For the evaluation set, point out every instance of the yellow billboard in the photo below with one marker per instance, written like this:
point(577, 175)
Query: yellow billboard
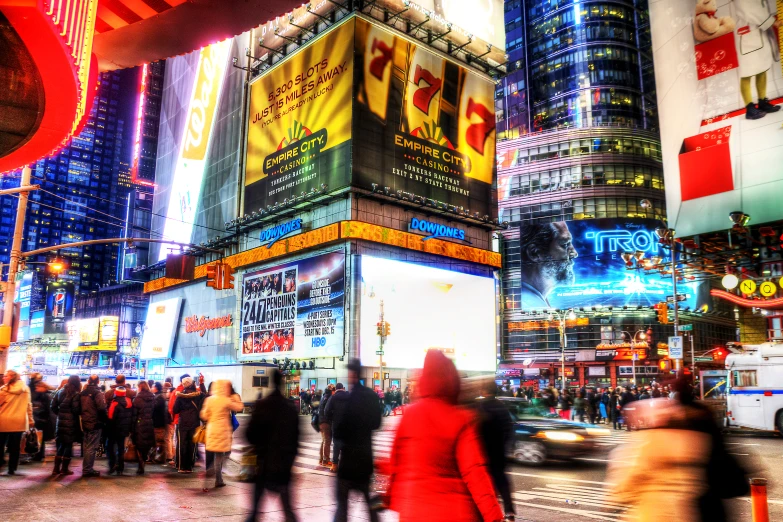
point(299, 124)
point(94, 334)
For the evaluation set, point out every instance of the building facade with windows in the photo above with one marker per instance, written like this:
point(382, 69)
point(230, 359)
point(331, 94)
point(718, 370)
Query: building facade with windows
point(579, 148)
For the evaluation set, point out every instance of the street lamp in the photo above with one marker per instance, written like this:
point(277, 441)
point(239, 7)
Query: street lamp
point(642, 336)
point(561, 326)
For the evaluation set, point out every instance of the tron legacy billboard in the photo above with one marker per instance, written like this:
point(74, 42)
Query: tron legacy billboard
point(577, 264)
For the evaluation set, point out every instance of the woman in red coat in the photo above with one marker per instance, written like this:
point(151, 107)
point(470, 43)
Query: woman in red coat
point(438, 468)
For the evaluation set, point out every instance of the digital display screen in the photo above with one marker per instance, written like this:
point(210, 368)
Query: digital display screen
point(427, 308)
point(160, 328)
point(577, 264)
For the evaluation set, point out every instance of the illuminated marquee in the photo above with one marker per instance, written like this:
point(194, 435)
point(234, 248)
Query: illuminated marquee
point(434, 230)
point(277, 232)
point(624, 241)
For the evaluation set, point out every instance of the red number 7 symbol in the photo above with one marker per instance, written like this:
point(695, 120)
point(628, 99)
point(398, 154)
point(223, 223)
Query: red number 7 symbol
point(477, 133)
point(423, 95)
point(378, 64)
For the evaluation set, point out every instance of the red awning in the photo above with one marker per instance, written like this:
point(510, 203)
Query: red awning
point(134, 32)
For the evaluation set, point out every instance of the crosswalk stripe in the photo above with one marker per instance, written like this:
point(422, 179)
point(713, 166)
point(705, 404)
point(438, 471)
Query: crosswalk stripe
point(598, 515)
point(581, 496)
point(530, 495)
point(571, 487)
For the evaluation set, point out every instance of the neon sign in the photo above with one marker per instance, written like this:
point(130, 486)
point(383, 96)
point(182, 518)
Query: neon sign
point(434, 230)
point(279, 231)
point(139, 120)
point(623, 241)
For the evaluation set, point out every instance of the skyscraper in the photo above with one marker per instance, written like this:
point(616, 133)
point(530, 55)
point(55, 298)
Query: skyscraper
point(579, 165)
point(84, 190)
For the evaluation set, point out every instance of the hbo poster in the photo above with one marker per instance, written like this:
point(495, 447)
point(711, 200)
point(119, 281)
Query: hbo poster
point(294, 310)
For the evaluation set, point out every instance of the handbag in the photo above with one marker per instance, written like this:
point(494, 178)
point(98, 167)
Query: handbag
point(234, 421)
point(200, 435)
point(31, 446)
point(130, 452)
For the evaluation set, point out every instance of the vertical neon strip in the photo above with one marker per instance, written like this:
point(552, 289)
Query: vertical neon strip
point(139, 121)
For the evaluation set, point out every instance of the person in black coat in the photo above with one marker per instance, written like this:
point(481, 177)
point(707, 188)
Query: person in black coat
point(161, 420)
point(188, 406)
point(66, 404)
point(41, 397)
point(93, 418)
point(143, 428)
point(496, 430)
point(614, 408)
point(119, 426)
point(337, 405)
point(353, 427)
point(274, 431)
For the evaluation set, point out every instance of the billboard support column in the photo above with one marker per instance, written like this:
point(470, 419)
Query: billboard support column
point(16, 248)
point(674, 292)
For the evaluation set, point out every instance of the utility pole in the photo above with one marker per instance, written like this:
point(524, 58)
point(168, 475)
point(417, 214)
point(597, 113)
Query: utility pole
point(10, 287)
point(383, 334)
point(677, 362)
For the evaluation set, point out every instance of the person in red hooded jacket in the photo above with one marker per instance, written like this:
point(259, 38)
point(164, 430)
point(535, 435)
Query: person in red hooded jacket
point(438, 469)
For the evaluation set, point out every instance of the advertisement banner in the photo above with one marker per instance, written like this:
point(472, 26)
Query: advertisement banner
point(160, 328)
point(720, 117)
point(422, 124)
point(186, 184)
point(94, 334)
point(294, 310)
point(59, 307)
point(37, 320)
point(22, 296)
point(577, 264)
point(299, 125)
point(426, 308)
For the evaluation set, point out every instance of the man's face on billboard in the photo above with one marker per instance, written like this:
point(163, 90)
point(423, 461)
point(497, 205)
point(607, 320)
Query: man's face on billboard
point(558, 264)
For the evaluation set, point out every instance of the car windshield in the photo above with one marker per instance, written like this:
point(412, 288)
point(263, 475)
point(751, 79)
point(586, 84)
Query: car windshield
point(526, 410)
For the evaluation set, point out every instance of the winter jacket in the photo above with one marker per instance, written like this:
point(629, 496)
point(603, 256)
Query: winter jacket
point(187, 406)
point(274, 431)
point(160, 412)
point(109, 394)
point(626, 398)
point(16, 408)
point(67, 408)
point(323, 418)
point(580, 404)
point(217, 414)
point(352, 428)
point(143, 429)
point(120, 414)
point(41, 397)
point(336, 406)
point(564, 402)
point(496, 428)
point(93, 408)
point(438, 467)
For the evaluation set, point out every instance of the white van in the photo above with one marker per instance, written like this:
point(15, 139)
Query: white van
point(755, 387)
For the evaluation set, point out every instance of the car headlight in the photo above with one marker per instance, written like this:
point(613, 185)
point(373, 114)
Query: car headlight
point(561, 436)
point(598, 432)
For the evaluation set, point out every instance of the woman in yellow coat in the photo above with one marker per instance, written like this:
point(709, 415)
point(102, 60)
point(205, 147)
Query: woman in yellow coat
point(216, 413)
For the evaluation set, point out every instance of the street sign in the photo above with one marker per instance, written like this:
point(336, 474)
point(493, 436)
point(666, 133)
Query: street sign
point(635, 356)
point(675, 347)
point(379, 352)
point(685, 327)
point(704, 359)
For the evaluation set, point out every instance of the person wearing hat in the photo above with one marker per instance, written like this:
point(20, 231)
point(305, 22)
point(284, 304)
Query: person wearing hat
point(187, 406)
point(121, 421)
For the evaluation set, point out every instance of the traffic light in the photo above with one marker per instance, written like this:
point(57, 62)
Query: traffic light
point(718, 354)
point(375, 375)
point(379, 329)
point(387, 330)
point(663, 313)
point(215, 276)
point(228, 277)
point(665, 365)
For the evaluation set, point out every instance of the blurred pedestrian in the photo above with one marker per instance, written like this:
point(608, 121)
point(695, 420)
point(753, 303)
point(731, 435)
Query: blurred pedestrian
point(580, 406)
point(439, 470)
point(41, 396)
point(496, 430)
point(118, 427)
point(143, 428)
point(216, 413)
point(93, 407)
point(352, 431)
point(325, 428)
point(338, 403)
point(603, 406)
point(161, 420)
point(168, 392)
point(66, 404)
point(187, 407)
point(16, 417)
point(593, 398)
point(564, 402)
point(614, 408)
point(274, 431)
point(626, 398)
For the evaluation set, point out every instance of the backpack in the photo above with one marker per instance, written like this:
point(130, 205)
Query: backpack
point(314, 421)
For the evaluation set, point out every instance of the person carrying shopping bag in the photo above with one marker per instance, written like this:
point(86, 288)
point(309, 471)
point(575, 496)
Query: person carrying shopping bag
point(216, 413)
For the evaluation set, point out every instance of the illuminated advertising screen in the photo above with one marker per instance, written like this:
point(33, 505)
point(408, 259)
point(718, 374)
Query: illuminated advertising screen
point(299, 124)
point(184, 192)
point(577, 264)
point(294, 310)
point(160, 328)
point(59, 307)
point(22, 296)
point(422, 123)
point(720, 94)
point(94, 334)
point(427, 309)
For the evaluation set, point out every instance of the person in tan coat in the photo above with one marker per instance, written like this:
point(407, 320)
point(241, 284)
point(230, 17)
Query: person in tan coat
point(216, 413)
point(16, 417)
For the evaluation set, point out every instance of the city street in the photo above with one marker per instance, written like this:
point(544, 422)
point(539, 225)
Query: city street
point(559, 491)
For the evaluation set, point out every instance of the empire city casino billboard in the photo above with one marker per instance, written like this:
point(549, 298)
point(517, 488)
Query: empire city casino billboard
point(299, 122)
point(578, 264)
point(422, 123)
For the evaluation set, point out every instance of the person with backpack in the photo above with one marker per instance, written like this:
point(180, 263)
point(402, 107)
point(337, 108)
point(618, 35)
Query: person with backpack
point(120, 423)
point(325, 427)
point(67, 405)
point(187, 406)
point(161, 420)
point(93, 403)
point(16, 417)
point(41, 395)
